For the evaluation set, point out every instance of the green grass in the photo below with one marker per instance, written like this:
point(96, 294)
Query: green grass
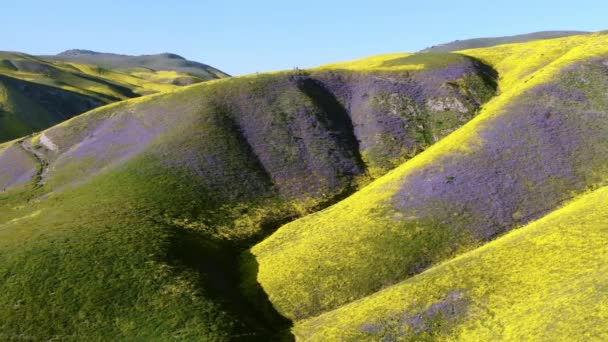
point(19, 115)
point(543, 282)
point(91, 80)
point(23, 112)
point(135, 253)
point(160, 64)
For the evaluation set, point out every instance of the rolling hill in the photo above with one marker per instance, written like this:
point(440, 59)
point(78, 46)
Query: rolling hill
point(475, 43)
point(145, 63)
point(37, 93)
point(196, 176)
point(544, 281)
point(534, 146)
point(429, 196)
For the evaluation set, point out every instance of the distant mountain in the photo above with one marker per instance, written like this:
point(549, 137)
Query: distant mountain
point(158, 62)
point(492, 41)
point(36, 93)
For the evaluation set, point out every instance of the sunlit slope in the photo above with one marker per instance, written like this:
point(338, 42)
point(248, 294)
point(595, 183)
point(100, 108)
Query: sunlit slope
point(158, 63)
point(538, 143)
point(493, 41)
point(545, 281)
point(84, 79)
point(517, 63)
point(27, 106)
point(126, 222)
point(36, 94)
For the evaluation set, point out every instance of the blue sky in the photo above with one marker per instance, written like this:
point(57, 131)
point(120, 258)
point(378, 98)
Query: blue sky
point(242, 37)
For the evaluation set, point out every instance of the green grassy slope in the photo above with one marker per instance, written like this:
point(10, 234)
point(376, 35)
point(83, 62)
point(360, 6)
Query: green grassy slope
point(36, 93)
point(537, 144)
point(158, 62)
point(127, 222)
point(27, 107)
point(542, 282)
point(127, 255)
point(143, 251)
point(81, 78)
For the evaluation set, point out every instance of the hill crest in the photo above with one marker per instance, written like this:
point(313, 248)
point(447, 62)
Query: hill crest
point(81, 52)
point(482, 42)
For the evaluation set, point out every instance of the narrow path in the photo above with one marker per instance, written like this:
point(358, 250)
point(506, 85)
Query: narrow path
point(39, 155)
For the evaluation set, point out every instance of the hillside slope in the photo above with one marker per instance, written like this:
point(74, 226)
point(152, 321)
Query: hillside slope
point(127, 222)
point(26, 106)
point(38, 93)
point(543, 282)
point(536, 145)
point(370, 199)
point(158, 62)
point(493, 41)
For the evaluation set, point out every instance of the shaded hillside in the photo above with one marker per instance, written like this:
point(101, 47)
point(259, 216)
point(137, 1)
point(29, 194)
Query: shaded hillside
point(538, 144)
point(27, 106)
point(133, 216)
point(158, 62)
point(493, 41)
point(37, 93)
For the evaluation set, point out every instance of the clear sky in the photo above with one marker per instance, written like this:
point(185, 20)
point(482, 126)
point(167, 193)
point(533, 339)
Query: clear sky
point(242, 37)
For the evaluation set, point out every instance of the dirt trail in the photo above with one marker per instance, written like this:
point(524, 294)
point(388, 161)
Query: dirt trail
point(39, 154)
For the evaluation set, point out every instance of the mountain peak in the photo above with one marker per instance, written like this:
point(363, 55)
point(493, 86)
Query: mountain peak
point(83, 52)
point(171, 55)
point(78, 52)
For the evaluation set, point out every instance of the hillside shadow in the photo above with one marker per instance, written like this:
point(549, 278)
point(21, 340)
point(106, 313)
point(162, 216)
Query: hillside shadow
point(221, 269)
point(249, 269)
point(61, 103)
point(115, 86)
point(488, 73)
point(445, 60)
point(337, 118)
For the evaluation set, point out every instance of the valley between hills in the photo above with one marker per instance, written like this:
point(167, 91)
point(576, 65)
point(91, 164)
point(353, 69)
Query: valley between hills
point(444, 195)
